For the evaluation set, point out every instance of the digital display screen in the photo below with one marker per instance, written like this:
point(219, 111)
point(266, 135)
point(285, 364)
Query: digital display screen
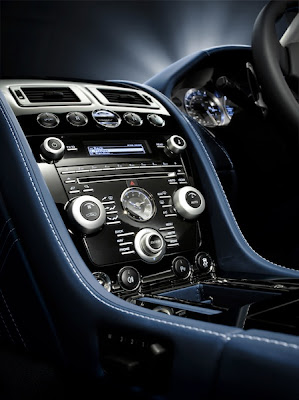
point(119, 150)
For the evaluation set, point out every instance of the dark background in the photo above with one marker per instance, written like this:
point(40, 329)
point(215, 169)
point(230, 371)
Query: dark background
point(130, 40)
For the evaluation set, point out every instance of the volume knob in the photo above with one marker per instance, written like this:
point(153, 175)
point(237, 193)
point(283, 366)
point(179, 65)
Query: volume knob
point(86, 213)
point(150, 245)
point(175, 145)
point(189, 202)
point(52, 149)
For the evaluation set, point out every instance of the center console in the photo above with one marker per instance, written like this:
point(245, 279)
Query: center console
point(121, 173)
point(122, 179)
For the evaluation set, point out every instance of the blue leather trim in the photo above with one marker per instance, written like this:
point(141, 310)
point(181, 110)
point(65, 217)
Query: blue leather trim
point(76, 301)
point(165, 81)
point(235, 257)
point(82, 309)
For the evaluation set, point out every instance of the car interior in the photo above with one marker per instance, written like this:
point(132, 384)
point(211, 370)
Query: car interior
point(149, 241)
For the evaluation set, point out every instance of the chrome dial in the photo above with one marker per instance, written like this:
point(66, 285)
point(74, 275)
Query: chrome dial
point(209, 109)
point(138, 204)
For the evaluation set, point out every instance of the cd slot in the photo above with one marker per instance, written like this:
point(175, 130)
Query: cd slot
point(116, 177)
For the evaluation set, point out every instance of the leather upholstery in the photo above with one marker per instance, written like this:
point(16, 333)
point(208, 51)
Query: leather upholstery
point(81, 311)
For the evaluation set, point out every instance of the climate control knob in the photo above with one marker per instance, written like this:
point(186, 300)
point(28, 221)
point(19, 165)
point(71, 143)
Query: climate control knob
point(150, 245)
point(52, 149)
point(86, 213)
point(189, 202)
point(175, 145)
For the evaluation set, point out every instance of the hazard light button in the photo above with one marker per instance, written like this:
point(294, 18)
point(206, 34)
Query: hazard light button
point(132, 182)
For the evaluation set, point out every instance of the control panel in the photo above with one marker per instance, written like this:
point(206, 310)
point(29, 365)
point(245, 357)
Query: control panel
point(127, 197)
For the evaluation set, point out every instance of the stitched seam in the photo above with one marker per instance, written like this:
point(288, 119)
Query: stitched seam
point(227, 202)
point(227, 337)
point(7, 254)
point(4, 226)
point(4, 243)
point(210, 332)
point(265, 340)
point(13, 320)
point(218, 144)
point(6, 328)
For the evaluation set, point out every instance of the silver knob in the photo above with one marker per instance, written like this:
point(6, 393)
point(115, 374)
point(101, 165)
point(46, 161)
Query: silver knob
point(189, 202)
point(86, 213)
point(52, 149)
point(150, 245)
point(176, 144)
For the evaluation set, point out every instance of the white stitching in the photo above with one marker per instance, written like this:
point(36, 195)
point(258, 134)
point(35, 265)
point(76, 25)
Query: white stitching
point(269, 341)
point(210, 332)
point(7, 254)
point(4, 226)
point(74, 269)
point(224, 194)
point(218, 144)
point(6, 327)
point(14, 322)
point(4, 243)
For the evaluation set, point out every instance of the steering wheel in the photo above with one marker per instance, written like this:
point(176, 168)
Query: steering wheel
point(276, 62)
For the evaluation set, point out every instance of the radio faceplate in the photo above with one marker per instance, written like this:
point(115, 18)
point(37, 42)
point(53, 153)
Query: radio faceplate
point(116, 185)
point(144, 235)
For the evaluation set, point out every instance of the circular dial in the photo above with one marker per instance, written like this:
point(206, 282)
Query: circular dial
point(206, 108)
point(138, 204)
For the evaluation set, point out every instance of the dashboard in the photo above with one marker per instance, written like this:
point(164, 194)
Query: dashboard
point(117, 166)
point(217, 89)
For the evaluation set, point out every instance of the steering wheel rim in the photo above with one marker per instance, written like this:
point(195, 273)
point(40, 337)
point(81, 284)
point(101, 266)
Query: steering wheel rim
point(271, 63)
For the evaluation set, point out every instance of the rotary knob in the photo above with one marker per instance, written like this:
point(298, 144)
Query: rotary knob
point(175, 145)
point(52, 149)
point(150, 245)
point(86, 213)
point(189, 202)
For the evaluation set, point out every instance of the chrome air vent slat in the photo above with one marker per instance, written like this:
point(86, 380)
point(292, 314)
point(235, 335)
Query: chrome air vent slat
point(118, 97)
point(124, 97)
point(55, 94)
point(48, 95)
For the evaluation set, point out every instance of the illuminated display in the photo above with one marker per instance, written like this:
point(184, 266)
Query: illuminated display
point(106, 151)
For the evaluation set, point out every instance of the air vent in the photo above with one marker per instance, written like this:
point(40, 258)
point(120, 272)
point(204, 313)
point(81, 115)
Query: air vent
point(50, 95)
point(124, 97)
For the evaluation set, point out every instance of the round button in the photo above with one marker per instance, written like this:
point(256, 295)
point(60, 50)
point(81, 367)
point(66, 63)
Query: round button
point(54, 144)
point(103, 279)
point(133, 119)
point(155, 242)
point(193, 199)
point(149, 245)
point(179, 141)
point(204, 262)
point(86, 213)
point(48, 120)
point(156, 120)
point(129, 278)
point(181, 267)
point(77, 118)
point(52, 149)
point(106, 119)
point(90, 211)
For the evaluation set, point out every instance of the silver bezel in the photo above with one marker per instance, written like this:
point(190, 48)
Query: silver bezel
point(77, 112)
point(173, 146)
point(49, 149)
point(153, 123)
point(149, 195)
point(75, 215)
point(138, 246)
point(128, 122)
point(48, 127)
point(181, 205)
point(106, 279)
point(120, 283)
point(117, 123)
point(172, 265)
